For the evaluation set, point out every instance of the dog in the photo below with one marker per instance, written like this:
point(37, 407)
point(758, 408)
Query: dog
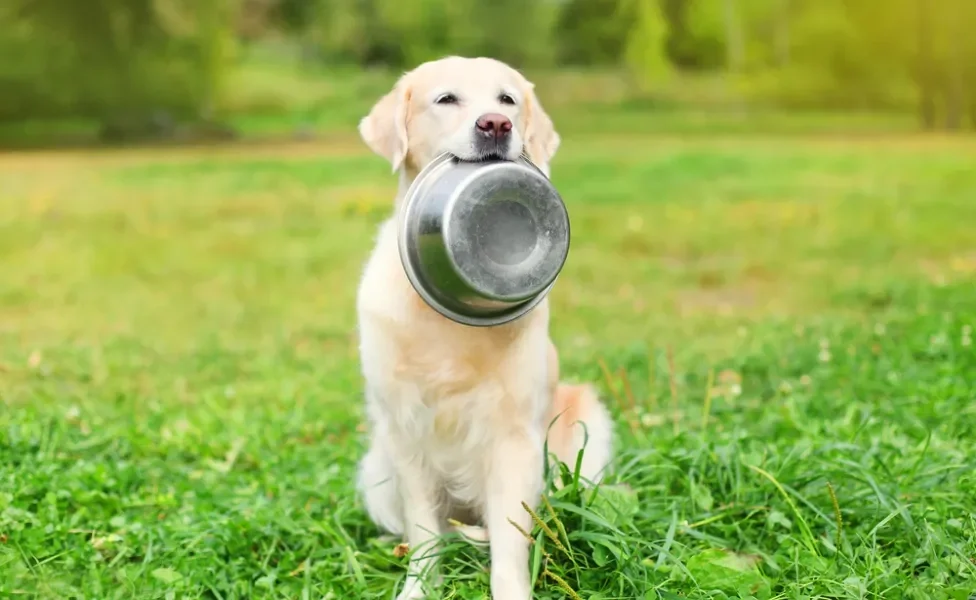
point(459, 416)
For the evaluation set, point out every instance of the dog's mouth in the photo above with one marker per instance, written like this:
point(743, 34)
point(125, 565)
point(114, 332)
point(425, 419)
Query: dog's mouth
point(481, 157)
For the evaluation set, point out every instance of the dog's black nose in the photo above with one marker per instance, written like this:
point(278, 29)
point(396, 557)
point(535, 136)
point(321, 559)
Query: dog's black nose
point(494, 125)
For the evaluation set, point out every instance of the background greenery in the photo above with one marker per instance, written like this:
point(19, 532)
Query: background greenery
point(771, 282)
point(125, 69)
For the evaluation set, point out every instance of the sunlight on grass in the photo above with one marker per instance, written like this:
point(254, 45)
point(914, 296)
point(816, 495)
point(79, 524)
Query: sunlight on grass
point(179, 374)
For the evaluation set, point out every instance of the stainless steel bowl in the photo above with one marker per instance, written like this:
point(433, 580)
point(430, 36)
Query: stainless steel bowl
point(482, 242)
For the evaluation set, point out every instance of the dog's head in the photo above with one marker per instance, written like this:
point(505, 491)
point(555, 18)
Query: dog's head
point(473, 108)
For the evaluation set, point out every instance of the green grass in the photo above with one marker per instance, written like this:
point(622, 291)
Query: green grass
point(180, 401)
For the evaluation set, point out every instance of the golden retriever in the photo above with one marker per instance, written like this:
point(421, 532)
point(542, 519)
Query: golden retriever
point(458, 415)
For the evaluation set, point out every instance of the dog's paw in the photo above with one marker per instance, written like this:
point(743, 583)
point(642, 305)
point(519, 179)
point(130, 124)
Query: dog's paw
point(505, 588)
point(474, 534)
point(413, 593)
point(413, 590)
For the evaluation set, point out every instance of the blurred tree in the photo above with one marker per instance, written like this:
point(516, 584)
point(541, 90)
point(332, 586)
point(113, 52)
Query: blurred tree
point(295, 15)
point(153, 62)
point(402, 33)
point(118, 61)
point(706, 35)
point(646, 45)
point(516, 31)
point(592, 32)
point(957, 20)
point(833, 62)
point(689, 47)
point(782, 32)
point(734, 38)
point(927, 43)
point(256, 17)
point(353, 31)
point(765, 25)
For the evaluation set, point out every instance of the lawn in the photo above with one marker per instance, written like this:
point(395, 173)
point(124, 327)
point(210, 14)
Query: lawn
point(782, 324)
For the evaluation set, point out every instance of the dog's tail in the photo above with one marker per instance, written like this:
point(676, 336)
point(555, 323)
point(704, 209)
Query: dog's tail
point(579, 421)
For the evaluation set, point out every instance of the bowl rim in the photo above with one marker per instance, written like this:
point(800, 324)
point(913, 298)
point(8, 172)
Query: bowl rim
point(417, 282)
point(456, 196)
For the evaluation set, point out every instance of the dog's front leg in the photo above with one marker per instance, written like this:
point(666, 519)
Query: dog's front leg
point(515, 476)
point(421, 524)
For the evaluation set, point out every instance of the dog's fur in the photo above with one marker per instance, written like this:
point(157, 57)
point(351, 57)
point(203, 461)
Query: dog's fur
point(459, 415)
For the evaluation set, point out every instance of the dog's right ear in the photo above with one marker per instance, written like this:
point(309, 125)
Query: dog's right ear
point(541, 139)
point(384, 129)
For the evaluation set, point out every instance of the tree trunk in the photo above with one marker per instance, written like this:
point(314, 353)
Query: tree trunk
point(783, 33)
point(925, 68)
point(954, 108)
point(955, 70)
point(971, 97)
point(927, 109)
point(733, 37)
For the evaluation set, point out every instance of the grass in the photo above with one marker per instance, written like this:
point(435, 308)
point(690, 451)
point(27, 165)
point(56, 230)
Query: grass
point(782, 325)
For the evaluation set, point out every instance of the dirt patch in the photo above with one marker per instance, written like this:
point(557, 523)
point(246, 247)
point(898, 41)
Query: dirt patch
point(345, 145)
point(943, 270)
point(722, 301)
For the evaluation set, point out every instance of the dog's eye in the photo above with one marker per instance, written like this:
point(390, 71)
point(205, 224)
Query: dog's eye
point(446, 99)
point(506, 99)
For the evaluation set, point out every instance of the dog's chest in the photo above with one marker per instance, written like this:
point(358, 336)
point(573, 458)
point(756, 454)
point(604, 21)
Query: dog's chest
point(472, 390)
point(461, 432)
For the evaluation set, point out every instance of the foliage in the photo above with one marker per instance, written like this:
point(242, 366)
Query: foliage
point(138, 58)
point(645, 48)
point(112, 58)
point(592, 32)
point(394, 34)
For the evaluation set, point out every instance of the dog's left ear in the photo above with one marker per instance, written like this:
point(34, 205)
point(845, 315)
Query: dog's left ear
point(384, 129)
point(541, 139)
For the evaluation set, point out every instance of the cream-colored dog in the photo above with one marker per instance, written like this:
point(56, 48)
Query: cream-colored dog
point(459, 415)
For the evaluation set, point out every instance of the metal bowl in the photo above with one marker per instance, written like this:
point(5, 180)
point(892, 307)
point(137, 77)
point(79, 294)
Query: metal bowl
point(482, 242)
